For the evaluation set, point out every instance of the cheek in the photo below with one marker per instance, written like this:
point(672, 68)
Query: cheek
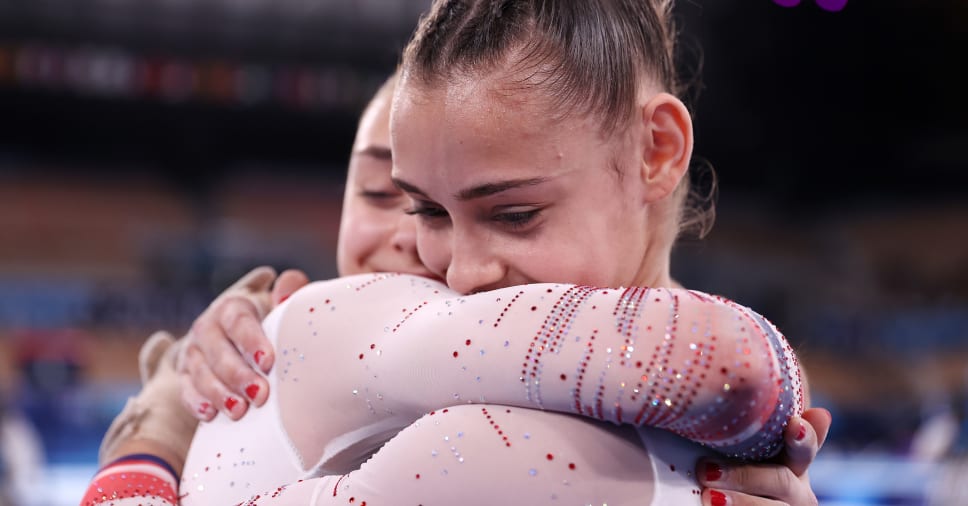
point(576, 252)
point(578, 264)
point(433, 249)
point(362, 233)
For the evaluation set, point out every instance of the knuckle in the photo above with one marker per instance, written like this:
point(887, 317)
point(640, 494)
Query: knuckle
point(222, 365)
point(239, 376)
point(192, 358)
point(743, 476)
point(231, 371)
point(234, 311)
point(782, 479)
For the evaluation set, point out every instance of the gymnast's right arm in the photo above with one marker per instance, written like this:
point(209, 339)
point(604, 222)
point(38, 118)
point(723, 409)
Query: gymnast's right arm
point(703, 367)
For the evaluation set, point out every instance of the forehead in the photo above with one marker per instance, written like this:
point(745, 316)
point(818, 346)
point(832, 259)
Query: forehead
point(448, 134)
point(374, 127)
point(485, 113)
point(449, 138)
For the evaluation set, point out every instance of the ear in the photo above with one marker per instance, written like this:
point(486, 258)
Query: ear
point(667, 145)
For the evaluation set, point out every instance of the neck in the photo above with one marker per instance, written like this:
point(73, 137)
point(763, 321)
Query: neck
point(654, 271)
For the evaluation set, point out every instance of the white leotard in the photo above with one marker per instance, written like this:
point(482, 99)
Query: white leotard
point(520, 394)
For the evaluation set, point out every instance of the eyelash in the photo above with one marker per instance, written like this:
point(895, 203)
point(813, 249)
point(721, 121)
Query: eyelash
point(514, 220)
point(517, 219)
point(425, 211)
point(378, 195)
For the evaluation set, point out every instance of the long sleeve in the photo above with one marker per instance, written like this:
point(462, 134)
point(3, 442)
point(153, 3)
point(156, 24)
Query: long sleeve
point(132, 481)
point(703, 367)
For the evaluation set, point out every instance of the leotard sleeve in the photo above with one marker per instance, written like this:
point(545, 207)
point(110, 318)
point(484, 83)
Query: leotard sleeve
point(703, 367)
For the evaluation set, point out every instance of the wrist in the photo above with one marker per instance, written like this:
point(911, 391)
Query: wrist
point(147, 449)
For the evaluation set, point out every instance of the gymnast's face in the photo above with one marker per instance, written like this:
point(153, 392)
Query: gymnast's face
point(507, 195)
point(375, 233)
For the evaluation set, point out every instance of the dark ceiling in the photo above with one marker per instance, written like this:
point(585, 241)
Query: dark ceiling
point(807, 105)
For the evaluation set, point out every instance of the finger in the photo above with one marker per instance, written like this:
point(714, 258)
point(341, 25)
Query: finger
point(149, 356)
point(240, 322)
point(222, 354)
point(801, 445)
point(256, 280)
point(212, 390)
point(253, 286)
point(711, 497)
point(288, 282)
point(821, 420)
point(193, 401)
point(761, 480)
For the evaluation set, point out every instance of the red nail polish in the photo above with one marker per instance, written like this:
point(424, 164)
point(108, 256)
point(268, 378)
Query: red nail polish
point(713, 471)
point(230, 403)
point(203, 408)
point(802, 433)
point(252, 390)
point(717, 498)
point(284, 297)
point(257, 357)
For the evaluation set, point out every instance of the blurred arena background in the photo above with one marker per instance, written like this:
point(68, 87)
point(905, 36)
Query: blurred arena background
point(151, 152)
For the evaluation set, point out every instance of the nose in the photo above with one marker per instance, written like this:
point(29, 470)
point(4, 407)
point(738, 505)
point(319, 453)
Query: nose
point(473, 268)
point(404, 238)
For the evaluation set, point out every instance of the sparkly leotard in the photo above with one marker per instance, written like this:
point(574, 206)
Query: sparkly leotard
point(524, 394)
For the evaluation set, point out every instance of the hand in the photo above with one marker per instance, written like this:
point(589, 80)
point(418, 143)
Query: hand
point(226, 345)
point(785, 482)
point(153, 421)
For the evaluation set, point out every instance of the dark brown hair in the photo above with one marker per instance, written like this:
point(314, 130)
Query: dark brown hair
point(588, 56)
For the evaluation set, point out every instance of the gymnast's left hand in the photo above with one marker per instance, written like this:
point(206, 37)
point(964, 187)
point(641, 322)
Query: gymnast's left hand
point(785, 482)
point(226, 347)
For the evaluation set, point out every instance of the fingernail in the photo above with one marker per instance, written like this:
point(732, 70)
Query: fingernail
point(257, 357)
point(252, 390)
point(203, 408)
point(802, 433)
point(284, 297)
point(230, 403)
point(717, 498)
point(713, 471)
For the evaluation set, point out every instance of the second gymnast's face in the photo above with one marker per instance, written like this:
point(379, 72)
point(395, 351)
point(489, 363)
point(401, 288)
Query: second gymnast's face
point(505, 194)
point(375, 234)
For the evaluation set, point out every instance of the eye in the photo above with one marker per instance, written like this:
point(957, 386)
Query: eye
point(381, 198)
point(517, 219)
point(378, 195)
point(426, 211)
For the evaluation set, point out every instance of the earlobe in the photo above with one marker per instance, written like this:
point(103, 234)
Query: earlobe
point(668, 140)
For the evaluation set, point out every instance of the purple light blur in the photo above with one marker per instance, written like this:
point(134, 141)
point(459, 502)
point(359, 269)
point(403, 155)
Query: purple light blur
point(827, 5)
point(832, 5)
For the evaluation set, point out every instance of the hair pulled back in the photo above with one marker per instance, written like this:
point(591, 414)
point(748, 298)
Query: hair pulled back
point(586, 56)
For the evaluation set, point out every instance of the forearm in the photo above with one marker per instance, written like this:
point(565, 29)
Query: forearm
point(674, 359)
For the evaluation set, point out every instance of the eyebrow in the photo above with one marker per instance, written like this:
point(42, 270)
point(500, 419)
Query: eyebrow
point(378, 152)
point(479, 191)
